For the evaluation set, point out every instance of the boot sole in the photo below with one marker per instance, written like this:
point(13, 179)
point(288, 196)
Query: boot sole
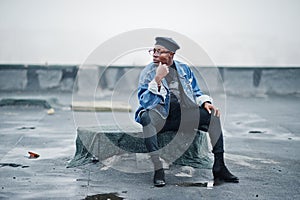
point(219, 181)
point(160, 185)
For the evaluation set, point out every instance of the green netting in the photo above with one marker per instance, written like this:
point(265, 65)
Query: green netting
point(104, 142)
point(197, 155)
point(82, 155)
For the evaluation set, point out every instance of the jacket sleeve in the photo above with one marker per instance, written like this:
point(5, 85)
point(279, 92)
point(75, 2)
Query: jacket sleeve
point(148, 94)
point(199, 96)
point(148, 99)
point(153, 87)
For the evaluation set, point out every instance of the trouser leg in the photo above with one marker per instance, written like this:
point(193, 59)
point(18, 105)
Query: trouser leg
point(212, 124)
point(190, 119)
point(204, 121)
point(152, 122)
point(216, 135)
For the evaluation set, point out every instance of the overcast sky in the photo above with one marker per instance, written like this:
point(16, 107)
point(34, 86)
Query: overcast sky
point(232, 32)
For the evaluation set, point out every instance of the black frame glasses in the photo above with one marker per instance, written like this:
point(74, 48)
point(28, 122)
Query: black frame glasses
point(157, 52)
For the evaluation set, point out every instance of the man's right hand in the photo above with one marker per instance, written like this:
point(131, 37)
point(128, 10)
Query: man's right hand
point(161, 71)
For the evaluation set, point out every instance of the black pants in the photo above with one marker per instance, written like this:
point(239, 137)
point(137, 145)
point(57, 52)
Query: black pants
point(186, 120)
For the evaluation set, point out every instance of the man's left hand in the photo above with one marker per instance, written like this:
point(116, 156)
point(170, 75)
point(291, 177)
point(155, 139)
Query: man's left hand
point(209, 107)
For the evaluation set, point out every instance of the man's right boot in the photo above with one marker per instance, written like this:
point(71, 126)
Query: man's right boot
point(159, 174)
point(159, 178)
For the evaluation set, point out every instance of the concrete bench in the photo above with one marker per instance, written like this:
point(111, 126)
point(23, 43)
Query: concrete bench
point(108, 140)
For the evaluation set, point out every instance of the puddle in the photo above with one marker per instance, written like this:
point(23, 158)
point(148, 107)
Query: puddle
point(208, 185)
point(111, 196)
point(257, 131)
point(26, 127)
point(12, 165)
point(191, 184)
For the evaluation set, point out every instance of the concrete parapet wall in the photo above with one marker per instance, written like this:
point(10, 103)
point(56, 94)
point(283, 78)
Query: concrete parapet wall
point(261, 81)
point(15, 79)
point(231, 80)
point(37, 78)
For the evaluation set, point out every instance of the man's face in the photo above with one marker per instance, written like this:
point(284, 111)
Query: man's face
point(163, 55)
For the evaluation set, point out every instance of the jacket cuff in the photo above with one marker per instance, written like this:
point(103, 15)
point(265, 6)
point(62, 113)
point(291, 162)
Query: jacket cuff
point(203, 98)
point(153, 87)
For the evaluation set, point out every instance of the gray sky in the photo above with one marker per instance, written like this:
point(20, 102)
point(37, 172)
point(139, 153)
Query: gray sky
point(232, 32)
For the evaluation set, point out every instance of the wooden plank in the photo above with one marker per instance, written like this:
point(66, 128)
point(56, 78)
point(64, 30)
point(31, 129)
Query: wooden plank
point(101, 106)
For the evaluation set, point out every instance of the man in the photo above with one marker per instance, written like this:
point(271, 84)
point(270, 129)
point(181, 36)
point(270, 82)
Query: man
point(171, 100)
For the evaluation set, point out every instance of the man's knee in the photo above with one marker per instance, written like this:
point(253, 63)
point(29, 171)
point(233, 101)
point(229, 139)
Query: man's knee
point(205, 118)
point(145, 118)
point(153, 118)
point(208, 120)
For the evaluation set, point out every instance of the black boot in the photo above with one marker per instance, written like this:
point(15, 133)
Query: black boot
point(159, 174)
point(220, 171)
point(159, 178)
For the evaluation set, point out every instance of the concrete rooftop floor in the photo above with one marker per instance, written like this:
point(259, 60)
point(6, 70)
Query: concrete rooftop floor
point(262, 144)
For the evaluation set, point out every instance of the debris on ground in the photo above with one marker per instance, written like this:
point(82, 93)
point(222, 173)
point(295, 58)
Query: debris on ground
point(33, 155)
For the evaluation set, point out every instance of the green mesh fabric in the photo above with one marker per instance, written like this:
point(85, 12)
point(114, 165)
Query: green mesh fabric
point(106, 141)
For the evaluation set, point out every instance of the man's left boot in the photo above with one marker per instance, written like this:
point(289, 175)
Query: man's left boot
point(220, 171)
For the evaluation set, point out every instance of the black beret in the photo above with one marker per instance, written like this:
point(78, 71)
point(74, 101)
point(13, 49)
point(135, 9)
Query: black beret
point(168, 43)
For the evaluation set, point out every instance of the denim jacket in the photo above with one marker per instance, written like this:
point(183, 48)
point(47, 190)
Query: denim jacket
point(150, 98)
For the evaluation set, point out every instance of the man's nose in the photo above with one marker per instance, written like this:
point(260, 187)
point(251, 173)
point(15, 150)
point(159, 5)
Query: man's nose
point(155, 55)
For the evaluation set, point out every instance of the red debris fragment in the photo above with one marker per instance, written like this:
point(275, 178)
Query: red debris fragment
point(33, 155)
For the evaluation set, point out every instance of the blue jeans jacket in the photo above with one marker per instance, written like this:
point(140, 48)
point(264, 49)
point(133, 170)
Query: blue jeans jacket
point(161, 103)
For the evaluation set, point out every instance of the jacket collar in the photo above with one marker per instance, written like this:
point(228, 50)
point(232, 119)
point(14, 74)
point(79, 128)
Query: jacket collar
point(180, 71)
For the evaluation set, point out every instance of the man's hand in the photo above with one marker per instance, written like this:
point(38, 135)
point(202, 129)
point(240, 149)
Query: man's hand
point(161, 71)
point(209, 107)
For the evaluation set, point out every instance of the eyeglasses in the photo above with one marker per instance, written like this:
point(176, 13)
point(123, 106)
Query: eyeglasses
point(157, 52)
